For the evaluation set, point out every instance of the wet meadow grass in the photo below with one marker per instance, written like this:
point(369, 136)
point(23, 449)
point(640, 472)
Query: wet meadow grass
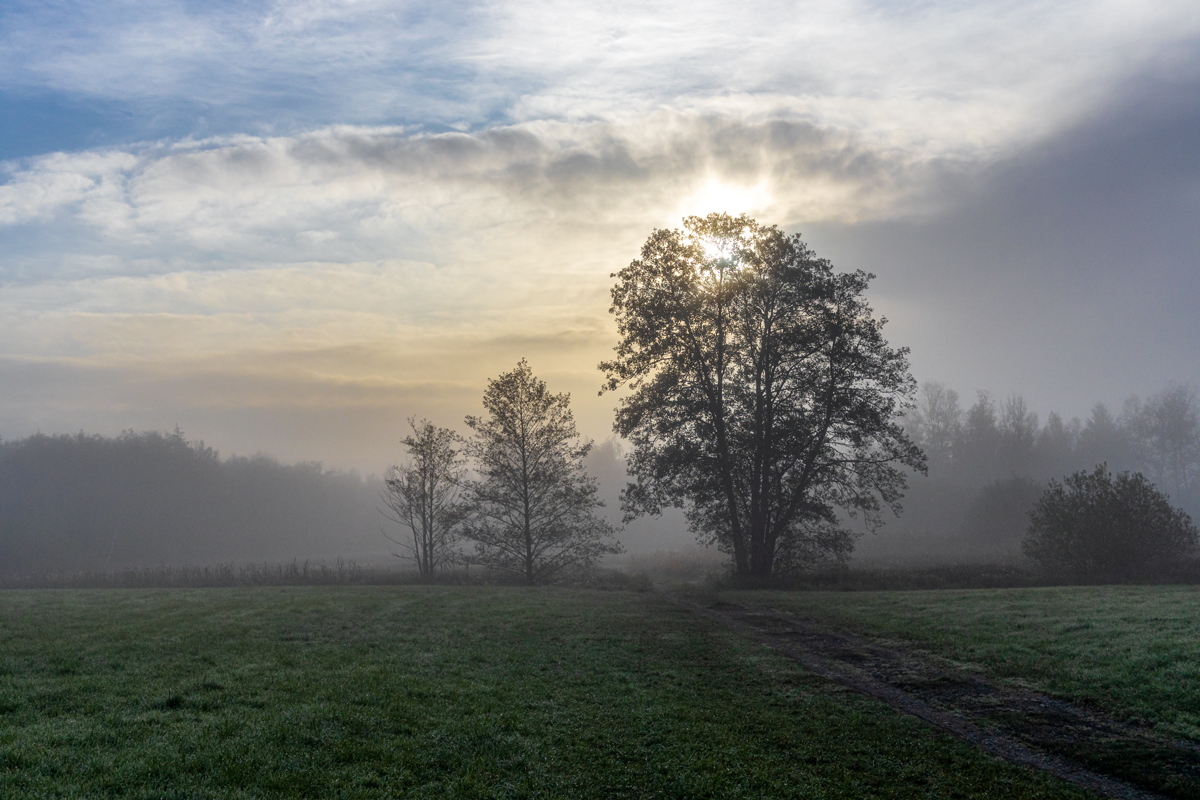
point(1132, 651)
point(438, 691)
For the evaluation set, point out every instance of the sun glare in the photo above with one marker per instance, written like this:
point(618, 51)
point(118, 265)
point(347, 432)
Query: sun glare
point(712, 250)
point(716, 195)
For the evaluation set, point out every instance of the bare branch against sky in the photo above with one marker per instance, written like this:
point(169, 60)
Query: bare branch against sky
point(288, 226)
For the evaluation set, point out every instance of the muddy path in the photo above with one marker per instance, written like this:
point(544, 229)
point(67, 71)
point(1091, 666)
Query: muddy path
point(1089, 749)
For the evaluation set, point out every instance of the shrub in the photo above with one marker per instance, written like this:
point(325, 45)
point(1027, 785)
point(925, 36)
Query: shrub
point(1097, 526)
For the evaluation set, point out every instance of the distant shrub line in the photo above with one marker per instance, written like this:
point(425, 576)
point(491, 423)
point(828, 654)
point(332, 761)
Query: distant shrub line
point(989, 464)
point(950, 576)
point(294, 573)
point(348, 573)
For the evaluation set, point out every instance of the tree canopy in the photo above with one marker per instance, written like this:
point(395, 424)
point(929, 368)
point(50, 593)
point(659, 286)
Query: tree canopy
point(1099, 526)
point(533, 506)
point(423, 496)
point(762, 395)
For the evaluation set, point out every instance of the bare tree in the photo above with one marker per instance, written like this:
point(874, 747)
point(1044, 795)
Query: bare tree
point(1167, 434)
point(935, 423)
point(533, 507)
point(423, 496)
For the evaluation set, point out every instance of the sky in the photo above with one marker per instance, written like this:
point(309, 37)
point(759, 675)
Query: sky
point(286, 227)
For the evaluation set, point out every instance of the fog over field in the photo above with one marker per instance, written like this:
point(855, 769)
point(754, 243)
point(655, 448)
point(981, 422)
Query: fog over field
point(284, 228)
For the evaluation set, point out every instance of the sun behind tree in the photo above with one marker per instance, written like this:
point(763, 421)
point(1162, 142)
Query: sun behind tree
point(763, 398)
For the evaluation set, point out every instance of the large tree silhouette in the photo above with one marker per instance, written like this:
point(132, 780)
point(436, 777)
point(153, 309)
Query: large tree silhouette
point(762, 396)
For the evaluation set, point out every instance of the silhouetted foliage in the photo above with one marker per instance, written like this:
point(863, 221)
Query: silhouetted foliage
point(764, 398)
point(1166, 437)
point(533, 509)
point(1103, 440)
point(978, 450)
point(972, 453)
point(1018, 429)
point(1097, 526)
point(90, 502)
point(423, 496)
point(1056, 447)
point(936, 423)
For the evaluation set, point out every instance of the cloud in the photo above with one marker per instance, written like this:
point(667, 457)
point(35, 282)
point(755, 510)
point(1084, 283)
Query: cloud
point(84, 180)
point(353, 267)
point(1067, 271)
point(963, 80)
point(319, 216)
point(350, 193)
point(314, 272)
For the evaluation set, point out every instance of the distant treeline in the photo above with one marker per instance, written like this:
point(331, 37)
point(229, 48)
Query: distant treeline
point(143, 499)
point(989, 462)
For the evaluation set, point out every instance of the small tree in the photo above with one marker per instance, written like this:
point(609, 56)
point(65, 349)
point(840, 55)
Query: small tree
point(423, 495)
point(1095, 525)
point(534, 505)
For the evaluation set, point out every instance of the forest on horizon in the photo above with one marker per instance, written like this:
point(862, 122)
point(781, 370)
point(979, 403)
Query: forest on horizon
point(88, 502)
point(989, 462)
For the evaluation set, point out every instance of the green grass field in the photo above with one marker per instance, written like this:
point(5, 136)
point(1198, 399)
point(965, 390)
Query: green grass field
point(1133, 651)
point(358, 692)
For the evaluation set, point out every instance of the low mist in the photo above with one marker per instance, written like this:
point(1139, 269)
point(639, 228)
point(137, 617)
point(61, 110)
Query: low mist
point(144, 499)
point(989, 462)
point(88, 502)
point(85, 502)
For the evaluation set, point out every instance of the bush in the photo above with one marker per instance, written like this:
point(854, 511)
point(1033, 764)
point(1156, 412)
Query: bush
point(1097, 526)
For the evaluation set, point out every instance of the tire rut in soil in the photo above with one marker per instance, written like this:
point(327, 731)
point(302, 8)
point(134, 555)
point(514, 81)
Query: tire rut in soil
point(1087, 748)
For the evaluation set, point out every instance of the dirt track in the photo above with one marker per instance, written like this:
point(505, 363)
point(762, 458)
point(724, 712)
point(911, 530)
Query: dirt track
point(1020, 726)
